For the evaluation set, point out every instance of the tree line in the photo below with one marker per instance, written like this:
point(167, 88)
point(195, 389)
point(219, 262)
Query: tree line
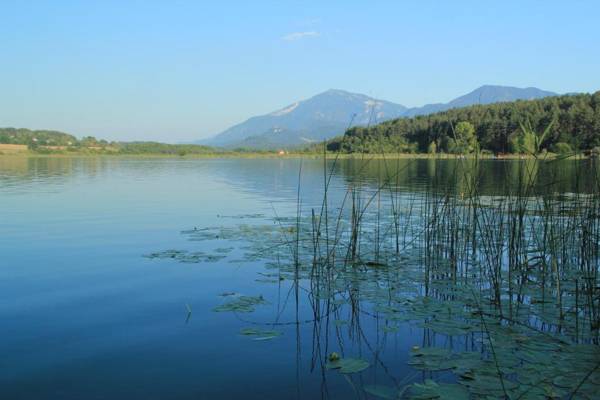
point(557, 124)
point(46, 141)
point(36, 137)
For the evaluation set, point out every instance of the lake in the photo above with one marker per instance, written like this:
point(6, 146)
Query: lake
point(155, 278)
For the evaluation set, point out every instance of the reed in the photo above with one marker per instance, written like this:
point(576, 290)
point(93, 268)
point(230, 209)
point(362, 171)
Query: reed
point(524, 256)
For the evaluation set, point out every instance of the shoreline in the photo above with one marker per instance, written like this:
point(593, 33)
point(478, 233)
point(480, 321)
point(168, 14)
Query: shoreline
point(290, 155)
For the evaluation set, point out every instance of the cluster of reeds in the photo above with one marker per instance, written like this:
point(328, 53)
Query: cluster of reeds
point(525, 254)
point(531, 254)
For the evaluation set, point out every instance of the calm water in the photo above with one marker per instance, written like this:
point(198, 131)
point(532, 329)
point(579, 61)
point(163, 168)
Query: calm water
point(85, 315)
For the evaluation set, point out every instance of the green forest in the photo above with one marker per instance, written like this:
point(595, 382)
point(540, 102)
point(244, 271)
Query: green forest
point(560, 124)
point(36, 137)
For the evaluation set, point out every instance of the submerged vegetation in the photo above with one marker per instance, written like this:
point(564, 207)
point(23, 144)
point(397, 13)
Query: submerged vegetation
point(504, 286)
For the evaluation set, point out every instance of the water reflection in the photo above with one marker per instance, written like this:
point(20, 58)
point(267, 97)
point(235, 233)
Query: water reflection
point(266, 175)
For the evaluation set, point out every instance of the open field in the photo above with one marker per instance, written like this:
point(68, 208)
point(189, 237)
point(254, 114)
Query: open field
point(6, 149)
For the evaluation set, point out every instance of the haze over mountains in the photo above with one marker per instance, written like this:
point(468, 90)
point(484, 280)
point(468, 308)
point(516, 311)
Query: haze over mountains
point(330, 113)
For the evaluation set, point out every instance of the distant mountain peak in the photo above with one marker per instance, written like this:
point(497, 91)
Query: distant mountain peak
point(485, 94)
point(341, 92)
point(494, 93)
point(320, 117)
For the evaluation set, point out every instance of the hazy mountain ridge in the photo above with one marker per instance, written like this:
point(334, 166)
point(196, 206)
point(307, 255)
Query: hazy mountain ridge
point(330, 113)
point(319, 117)
point(486, 94)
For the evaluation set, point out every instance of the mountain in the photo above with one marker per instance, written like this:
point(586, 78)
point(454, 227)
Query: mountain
point(321, 117)
point(330, 113)
point(486, 94)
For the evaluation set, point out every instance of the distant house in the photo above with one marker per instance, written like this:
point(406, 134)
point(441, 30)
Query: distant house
point(282, 152)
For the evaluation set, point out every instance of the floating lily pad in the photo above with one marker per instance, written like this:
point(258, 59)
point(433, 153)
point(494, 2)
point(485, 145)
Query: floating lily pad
point(184, 256)
point(244, 304)
point(381, 391)
point(348, 365)
point(432, 390)
point(417, 351)
point(259, 334)
point(488, 385)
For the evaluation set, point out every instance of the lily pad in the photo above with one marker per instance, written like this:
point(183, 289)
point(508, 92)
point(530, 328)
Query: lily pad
point(381, 391)
point(259, 334)
point(244, 304)
point(348, 365)
point(432, 390)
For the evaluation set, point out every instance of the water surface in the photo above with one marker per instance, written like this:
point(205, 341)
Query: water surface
point(86, 315)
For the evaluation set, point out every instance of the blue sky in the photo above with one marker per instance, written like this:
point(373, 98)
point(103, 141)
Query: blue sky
point(182, 70)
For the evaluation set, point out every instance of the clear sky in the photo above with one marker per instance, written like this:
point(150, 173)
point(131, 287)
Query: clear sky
point(183, 70)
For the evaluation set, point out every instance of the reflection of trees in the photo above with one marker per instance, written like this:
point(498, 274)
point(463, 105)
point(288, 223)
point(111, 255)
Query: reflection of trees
point(16, 171)
point(277, 178)
point(493, 177)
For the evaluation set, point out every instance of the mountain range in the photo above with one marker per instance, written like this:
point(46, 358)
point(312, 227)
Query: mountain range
point(330, 113)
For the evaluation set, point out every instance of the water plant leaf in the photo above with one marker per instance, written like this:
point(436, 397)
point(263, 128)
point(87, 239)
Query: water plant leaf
point(381, 391)
point(417, 351)
point(244, 304)
point(348, 365)
point(487, 385)
point(432, 390)
point(259, 334)
point(188, 257)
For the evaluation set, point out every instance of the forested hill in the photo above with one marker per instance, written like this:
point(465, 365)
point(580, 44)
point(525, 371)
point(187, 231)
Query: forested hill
point(47, 141)
point(574, 122)
point(31, 137)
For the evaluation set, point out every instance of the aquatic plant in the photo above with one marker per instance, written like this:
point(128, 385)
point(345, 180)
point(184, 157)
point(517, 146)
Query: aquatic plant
point(512, 278)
